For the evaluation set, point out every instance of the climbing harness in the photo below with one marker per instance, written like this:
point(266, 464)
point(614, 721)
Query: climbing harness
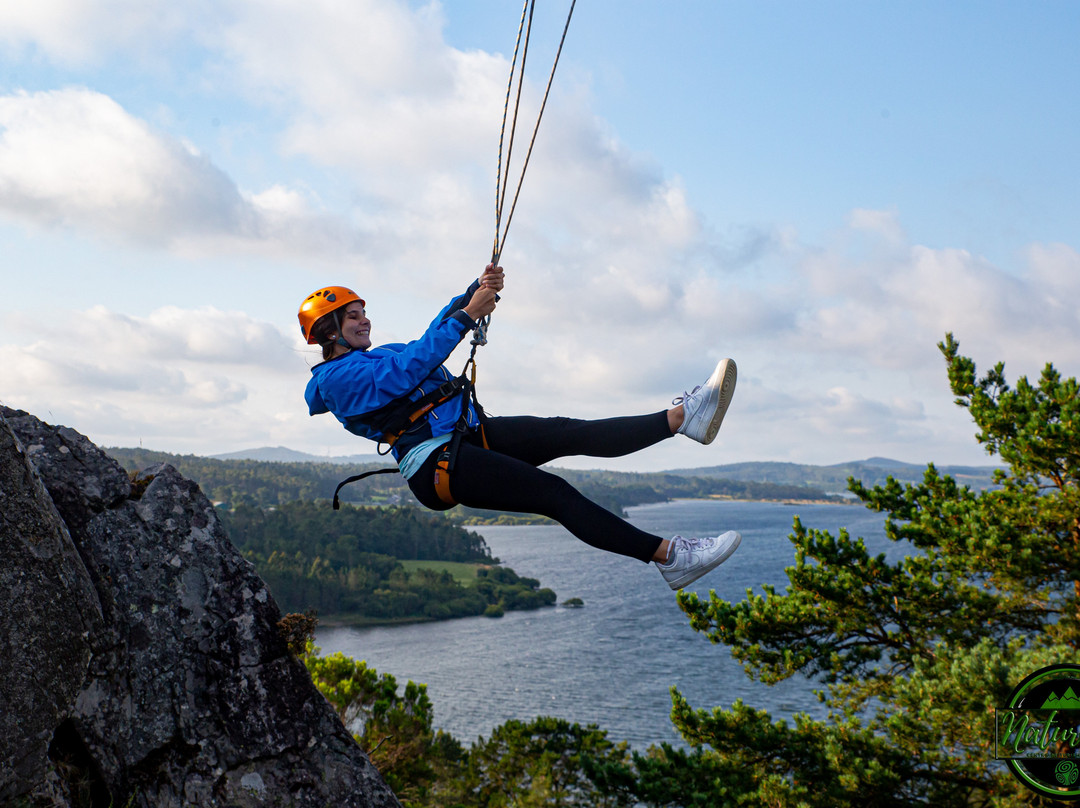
point(398, 417)
point(444, 466)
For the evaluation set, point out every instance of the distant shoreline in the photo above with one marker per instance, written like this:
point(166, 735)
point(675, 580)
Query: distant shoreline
point(532, 520)
point(837, 500)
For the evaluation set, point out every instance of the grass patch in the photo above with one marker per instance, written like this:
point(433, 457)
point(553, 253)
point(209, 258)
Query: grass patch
point(463, 572)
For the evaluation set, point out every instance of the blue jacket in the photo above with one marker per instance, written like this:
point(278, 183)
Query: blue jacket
point(355, 384)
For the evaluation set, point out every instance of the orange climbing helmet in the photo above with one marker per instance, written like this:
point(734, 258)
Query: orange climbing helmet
point(322, 302)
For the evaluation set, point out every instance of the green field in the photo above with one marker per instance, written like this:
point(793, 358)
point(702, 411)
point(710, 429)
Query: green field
point(464, 573)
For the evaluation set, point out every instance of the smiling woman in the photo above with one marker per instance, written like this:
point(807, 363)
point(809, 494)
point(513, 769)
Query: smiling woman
point(450, 452)
point(326, 314)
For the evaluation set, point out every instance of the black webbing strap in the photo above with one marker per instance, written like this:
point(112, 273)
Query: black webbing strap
point(357, 478)
point(448, 458)
point(407, 413)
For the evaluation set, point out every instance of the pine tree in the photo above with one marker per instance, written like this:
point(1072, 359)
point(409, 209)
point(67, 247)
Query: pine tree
point(912, 656)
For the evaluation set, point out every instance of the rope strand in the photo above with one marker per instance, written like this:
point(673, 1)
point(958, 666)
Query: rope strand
point(500, 199)
point(502, 131)
point(536, 128)
point(521, 45)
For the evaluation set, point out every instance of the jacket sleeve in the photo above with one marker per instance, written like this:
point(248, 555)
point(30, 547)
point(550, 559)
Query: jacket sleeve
point(455, 306)
point(359, 383)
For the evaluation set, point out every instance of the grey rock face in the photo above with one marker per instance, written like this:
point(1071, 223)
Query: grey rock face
point(191, 696)
point(48, 608)
point(82, 480)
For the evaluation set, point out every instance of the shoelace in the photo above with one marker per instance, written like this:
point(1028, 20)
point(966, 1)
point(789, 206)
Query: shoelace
point(685, 396)
point(679, 542)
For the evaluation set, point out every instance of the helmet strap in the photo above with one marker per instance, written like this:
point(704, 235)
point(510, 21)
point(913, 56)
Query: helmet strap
point(340, 337)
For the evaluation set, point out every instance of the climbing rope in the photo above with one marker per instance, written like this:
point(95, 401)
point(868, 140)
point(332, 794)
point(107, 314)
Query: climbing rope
point(521, 45)
point(501, 187)
point(467, 378)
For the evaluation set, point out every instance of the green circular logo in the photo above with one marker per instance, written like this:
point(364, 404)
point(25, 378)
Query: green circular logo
point(1039, 731)
point(1066, 772)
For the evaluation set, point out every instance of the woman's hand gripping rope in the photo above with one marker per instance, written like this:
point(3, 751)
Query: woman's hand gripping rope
point(484, 299)
point(493, 277)
point(483, 302)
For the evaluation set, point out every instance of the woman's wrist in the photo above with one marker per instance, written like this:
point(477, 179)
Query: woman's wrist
point(468, 319)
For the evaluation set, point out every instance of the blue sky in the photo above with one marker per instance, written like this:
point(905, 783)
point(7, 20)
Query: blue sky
point(819, 190)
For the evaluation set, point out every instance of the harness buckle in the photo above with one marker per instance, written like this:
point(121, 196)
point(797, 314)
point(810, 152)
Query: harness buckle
point(448, 388)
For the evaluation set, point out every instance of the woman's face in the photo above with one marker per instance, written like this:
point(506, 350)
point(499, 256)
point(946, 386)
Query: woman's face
point(355, 326)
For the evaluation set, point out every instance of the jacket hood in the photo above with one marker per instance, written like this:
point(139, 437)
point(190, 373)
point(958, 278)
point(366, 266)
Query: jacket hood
point(316, 405)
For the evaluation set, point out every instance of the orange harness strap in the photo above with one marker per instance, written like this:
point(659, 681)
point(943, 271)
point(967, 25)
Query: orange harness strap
point(442, 469)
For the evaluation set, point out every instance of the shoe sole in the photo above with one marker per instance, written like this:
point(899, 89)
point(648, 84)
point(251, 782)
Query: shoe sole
point(692, 576)
point(726, 385)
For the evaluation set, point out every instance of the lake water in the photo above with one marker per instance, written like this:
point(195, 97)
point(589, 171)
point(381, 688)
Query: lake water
point(613, 661)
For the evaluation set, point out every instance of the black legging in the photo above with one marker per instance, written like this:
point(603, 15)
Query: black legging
point(505, 477)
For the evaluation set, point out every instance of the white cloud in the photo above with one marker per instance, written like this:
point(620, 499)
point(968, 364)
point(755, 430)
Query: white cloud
point(840, 347)
point(844, 411)
point(76, 31)
point(884, 303)
point(1054, 272)
point(174, 357)
point(191, 378)
point(369, 85)
point(76, 158)
point(375, 91)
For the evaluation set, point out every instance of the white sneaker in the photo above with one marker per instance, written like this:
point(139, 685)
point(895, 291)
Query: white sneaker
point(692, 558)
point(705, 405)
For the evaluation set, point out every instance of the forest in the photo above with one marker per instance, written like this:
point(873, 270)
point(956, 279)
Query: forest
point(346, 564)
point(263, 484)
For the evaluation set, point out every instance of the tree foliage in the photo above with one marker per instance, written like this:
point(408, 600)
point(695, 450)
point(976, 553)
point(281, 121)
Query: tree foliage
point(346, 536)
point(913, 654)
point(347, 563)
point(379, 589)
point(394, 729)
point(544, 762)
point(263, 484)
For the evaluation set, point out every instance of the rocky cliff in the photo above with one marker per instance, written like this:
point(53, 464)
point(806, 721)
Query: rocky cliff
point(140, 660)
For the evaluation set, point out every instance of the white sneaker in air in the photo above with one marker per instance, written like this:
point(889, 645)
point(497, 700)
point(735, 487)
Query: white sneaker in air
point(692, 558)
point(705, 405)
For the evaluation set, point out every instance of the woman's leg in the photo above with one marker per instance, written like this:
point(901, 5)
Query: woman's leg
point(540, 440)
point(486, 478)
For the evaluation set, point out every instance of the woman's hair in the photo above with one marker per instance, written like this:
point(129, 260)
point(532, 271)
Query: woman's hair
point(325, 332)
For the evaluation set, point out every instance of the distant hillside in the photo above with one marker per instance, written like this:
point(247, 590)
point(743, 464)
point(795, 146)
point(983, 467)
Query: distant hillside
point(872, 471)
point(263, 483)
point(282, 454)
